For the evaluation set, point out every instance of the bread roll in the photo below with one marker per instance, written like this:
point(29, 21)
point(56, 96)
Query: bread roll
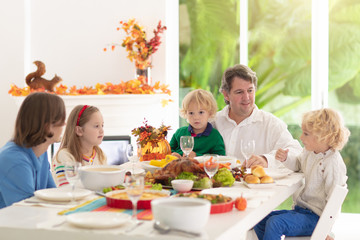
point(266, 179)
point(252, 179)
point(258, 171)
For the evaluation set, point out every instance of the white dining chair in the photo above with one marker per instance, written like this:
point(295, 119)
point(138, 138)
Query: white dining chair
point(327, 218)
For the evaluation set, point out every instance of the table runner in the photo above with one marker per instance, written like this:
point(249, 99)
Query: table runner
point(99, 204)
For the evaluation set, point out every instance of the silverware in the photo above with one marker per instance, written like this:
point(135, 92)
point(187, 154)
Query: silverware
point(58, 224)
point(163, 229)
point(43, 202)
point(133, 227)
point(100, 194)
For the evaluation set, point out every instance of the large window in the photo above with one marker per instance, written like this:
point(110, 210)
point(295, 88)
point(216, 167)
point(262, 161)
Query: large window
point(279, 50)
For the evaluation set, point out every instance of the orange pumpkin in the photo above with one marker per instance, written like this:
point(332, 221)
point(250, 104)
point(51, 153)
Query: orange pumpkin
point(156, 149)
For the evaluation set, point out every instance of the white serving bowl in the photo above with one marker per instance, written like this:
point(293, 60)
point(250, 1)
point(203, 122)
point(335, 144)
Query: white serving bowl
point(182, 185)
point(149, 168)
point(100, 176)
point(189, 214)
point(137, 171)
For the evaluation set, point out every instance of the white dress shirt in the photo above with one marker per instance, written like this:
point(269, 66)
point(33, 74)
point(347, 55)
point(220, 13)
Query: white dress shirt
point(269, 132)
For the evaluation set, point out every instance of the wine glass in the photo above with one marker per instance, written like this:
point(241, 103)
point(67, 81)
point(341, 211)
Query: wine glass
point(134, 186)
point(247, 148)
point(211, 164)
point(72, 175)
point(132, 157)
point(186, 144)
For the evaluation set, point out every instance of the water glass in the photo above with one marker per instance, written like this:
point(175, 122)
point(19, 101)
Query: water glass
point(134, 186)
point(247, 148)
point(132, 156)
point(71, 169)
point(211, 164)
point(186, 144)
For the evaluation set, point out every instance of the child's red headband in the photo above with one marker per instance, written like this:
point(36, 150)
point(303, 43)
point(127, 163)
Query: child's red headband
point(81, 112)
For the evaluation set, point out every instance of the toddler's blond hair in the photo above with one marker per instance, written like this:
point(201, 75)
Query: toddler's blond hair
point(327, 126)
point(202, 98)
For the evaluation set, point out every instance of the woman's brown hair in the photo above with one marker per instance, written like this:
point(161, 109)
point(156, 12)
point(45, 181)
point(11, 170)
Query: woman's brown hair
point(71, 141)
point(35, 115)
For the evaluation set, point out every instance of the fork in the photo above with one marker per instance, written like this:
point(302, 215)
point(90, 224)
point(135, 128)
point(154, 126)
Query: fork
point(133, 227)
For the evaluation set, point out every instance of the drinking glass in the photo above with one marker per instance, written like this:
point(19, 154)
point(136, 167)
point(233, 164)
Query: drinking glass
point(247, 148)
point(72, 175)
point(132, 156)
point(186, 144)
point(211, 165)
point(134, 186)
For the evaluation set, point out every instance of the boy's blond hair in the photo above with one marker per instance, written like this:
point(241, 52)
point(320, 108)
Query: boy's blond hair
point(327, 126)
point(202, 98)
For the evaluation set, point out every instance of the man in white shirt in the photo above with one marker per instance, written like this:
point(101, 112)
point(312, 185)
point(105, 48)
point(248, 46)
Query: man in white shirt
point(241, 120)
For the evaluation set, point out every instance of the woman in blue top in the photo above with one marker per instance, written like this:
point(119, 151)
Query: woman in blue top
point(24, 165)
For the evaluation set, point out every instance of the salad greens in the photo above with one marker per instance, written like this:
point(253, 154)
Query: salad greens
point(225, 177)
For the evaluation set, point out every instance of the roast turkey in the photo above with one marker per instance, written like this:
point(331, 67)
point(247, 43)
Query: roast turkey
point(175, 167)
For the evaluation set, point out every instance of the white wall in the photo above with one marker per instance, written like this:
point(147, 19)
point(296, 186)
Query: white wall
point(69, 37)
point(11, 61)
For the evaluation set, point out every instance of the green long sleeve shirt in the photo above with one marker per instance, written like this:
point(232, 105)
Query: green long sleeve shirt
point(211, 144)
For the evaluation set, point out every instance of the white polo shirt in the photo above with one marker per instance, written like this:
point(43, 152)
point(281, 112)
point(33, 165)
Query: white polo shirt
point(269, 132)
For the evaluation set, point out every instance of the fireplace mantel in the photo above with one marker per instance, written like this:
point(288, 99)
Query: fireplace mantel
point(124, 112)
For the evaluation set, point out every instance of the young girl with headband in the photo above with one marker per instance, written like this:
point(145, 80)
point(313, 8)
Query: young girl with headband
point(83, 134)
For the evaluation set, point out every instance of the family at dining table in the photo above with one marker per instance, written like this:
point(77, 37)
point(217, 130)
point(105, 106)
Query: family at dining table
point(24, 166)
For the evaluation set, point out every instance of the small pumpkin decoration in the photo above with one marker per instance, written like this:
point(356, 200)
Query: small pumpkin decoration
point(155, 150)
point(152, 141)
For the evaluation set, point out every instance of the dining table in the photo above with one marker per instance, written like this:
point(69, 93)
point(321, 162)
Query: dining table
point(40, 220)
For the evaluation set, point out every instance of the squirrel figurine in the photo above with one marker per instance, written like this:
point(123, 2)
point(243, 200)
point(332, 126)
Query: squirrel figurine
point(35, 81)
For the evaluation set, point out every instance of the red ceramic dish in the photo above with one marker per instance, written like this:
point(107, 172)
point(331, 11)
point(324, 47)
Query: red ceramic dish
point(126, 204)
point(222, 207)
point(217, 207)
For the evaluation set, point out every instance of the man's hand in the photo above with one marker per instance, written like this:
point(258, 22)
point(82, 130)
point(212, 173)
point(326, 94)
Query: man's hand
point(281, 155)
point(256, 160)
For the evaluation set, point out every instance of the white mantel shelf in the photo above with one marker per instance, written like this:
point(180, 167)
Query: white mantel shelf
point(124, 112)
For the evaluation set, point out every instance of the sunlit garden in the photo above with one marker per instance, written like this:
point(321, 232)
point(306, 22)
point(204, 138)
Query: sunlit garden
point(279, 35)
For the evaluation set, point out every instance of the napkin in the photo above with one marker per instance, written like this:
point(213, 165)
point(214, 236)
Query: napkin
point(146, 229)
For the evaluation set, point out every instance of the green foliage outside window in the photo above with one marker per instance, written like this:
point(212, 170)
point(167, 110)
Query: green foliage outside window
point(280, 54)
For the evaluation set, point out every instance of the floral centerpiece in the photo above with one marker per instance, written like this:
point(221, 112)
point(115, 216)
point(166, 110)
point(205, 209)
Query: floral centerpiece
point(138, 47)
point(152, 141)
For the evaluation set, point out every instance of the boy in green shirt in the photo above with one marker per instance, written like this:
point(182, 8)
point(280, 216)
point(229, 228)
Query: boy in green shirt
point(198, 107)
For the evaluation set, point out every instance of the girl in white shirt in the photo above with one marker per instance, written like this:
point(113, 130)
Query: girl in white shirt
point(83, 134)
point(324, 135)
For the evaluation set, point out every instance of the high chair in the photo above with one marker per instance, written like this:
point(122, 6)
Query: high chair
point(327, 218)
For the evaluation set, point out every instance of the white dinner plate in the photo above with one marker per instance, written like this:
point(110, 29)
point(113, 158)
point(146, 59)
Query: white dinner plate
point(147, 167)
point(61, 194)
point(259, 185)
point(277, 173)
point(98, 219)
point(223, 159)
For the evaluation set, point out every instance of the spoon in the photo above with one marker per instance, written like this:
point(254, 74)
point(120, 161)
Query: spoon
point(163, 229)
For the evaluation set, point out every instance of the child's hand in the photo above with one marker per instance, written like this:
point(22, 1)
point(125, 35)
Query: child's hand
point(191, 155)
point(329, 238)
point(281, 154)
point(176, 155)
